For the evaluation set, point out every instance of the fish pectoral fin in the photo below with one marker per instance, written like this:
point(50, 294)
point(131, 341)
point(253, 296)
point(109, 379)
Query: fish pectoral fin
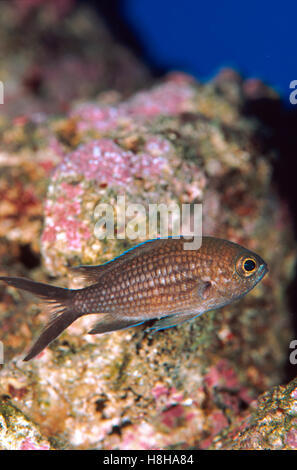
point(172, 320)
point(199, 286)
point(204, 289)
point(108, 324)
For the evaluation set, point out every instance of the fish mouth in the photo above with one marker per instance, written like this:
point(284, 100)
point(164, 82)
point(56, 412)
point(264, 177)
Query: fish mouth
point(263, 269)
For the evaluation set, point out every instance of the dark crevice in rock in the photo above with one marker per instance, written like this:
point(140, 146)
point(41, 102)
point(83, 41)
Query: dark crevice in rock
point(281, 124)
point(28, 258)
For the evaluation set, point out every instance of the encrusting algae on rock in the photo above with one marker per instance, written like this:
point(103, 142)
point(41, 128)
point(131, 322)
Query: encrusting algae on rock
point(17, 432)
point(157, 280)
point(130, 389)
point(269, 423)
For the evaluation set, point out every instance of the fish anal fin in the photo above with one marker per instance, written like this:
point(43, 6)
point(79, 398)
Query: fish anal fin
point(171, 321)
point(109, 324)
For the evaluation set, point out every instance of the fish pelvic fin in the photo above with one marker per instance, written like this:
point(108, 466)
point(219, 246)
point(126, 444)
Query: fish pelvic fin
point(60, 301)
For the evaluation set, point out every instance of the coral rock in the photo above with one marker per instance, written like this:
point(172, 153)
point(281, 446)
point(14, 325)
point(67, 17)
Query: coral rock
point(17, 432)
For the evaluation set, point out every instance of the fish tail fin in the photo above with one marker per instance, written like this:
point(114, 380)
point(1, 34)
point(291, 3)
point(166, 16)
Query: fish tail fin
point(52, 330)
point(63, 312)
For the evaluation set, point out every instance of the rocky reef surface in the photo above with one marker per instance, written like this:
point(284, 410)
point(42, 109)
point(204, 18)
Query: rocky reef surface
point(270, 423)
point(55, 51)
point(17, 432)
point(173, 142)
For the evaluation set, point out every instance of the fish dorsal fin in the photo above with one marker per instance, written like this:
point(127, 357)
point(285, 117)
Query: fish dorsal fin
point(94, 273)
point(89, 273)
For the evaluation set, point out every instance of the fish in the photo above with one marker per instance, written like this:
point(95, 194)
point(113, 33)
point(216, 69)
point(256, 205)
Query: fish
point(156, 280)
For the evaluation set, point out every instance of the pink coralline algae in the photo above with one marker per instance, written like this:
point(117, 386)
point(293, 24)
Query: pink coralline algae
point(170, 98)
point(28, 444)
point(173, 416)
point(222, 375)
point(291, 438)
point(105, 162)
point(63, 222)
point(176, 411)
point(85, 175)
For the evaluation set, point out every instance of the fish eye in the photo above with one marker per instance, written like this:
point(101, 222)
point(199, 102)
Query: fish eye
point(249, 265)
point(246, 266)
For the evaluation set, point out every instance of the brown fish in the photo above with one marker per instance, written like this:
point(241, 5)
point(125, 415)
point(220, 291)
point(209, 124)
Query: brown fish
point(156, 280)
